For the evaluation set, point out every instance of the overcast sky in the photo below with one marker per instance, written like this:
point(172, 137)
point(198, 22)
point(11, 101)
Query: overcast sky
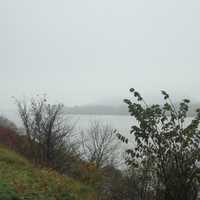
point(92, 51)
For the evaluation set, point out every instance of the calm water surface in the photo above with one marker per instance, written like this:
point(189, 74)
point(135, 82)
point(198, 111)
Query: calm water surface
point(120, 122)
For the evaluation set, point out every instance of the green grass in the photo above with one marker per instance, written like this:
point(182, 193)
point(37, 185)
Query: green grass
point(25, 182)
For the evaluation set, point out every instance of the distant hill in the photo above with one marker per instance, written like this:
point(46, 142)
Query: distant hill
point(98, 110)
point(112, 110)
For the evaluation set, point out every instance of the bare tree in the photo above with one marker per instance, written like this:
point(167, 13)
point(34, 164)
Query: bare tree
point(99, 144)
point(46, 129)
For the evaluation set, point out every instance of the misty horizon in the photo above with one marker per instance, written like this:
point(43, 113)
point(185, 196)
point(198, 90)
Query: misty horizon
point(91, 52)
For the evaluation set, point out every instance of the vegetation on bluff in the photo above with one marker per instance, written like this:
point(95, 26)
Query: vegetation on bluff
point(19, 179)
point(162, 159)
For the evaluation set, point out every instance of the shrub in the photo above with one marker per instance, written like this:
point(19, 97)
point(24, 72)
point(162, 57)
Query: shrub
point(7, 192)
point(66, 196)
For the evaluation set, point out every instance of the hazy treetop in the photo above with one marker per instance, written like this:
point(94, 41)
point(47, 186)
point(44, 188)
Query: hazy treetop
point(88, 51)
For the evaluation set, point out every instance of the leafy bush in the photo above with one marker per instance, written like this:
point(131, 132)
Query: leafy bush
point(165, 146)
point(7, 192)
point(66, 196)
point(88, 173)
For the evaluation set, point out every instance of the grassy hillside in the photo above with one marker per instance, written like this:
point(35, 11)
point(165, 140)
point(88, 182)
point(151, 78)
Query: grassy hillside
point(19, 179)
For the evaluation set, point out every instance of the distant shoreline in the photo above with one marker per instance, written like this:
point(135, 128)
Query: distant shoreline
point(111, 114)
point(112, 110)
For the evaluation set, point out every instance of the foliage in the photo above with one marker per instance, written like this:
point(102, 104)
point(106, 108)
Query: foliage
point(138, 184)
point(8, 137)
point(7, 192)
point(87, 173)
point(111, 185)
point(165, 140)
point(33, 183)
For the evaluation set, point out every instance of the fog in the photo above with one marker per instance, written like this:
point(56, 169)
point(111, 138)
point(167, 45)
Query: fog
point(91, 52)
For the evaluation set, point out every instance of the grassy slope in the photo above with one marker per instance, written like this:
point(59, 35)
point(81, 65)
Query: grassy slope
point(38, 184)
